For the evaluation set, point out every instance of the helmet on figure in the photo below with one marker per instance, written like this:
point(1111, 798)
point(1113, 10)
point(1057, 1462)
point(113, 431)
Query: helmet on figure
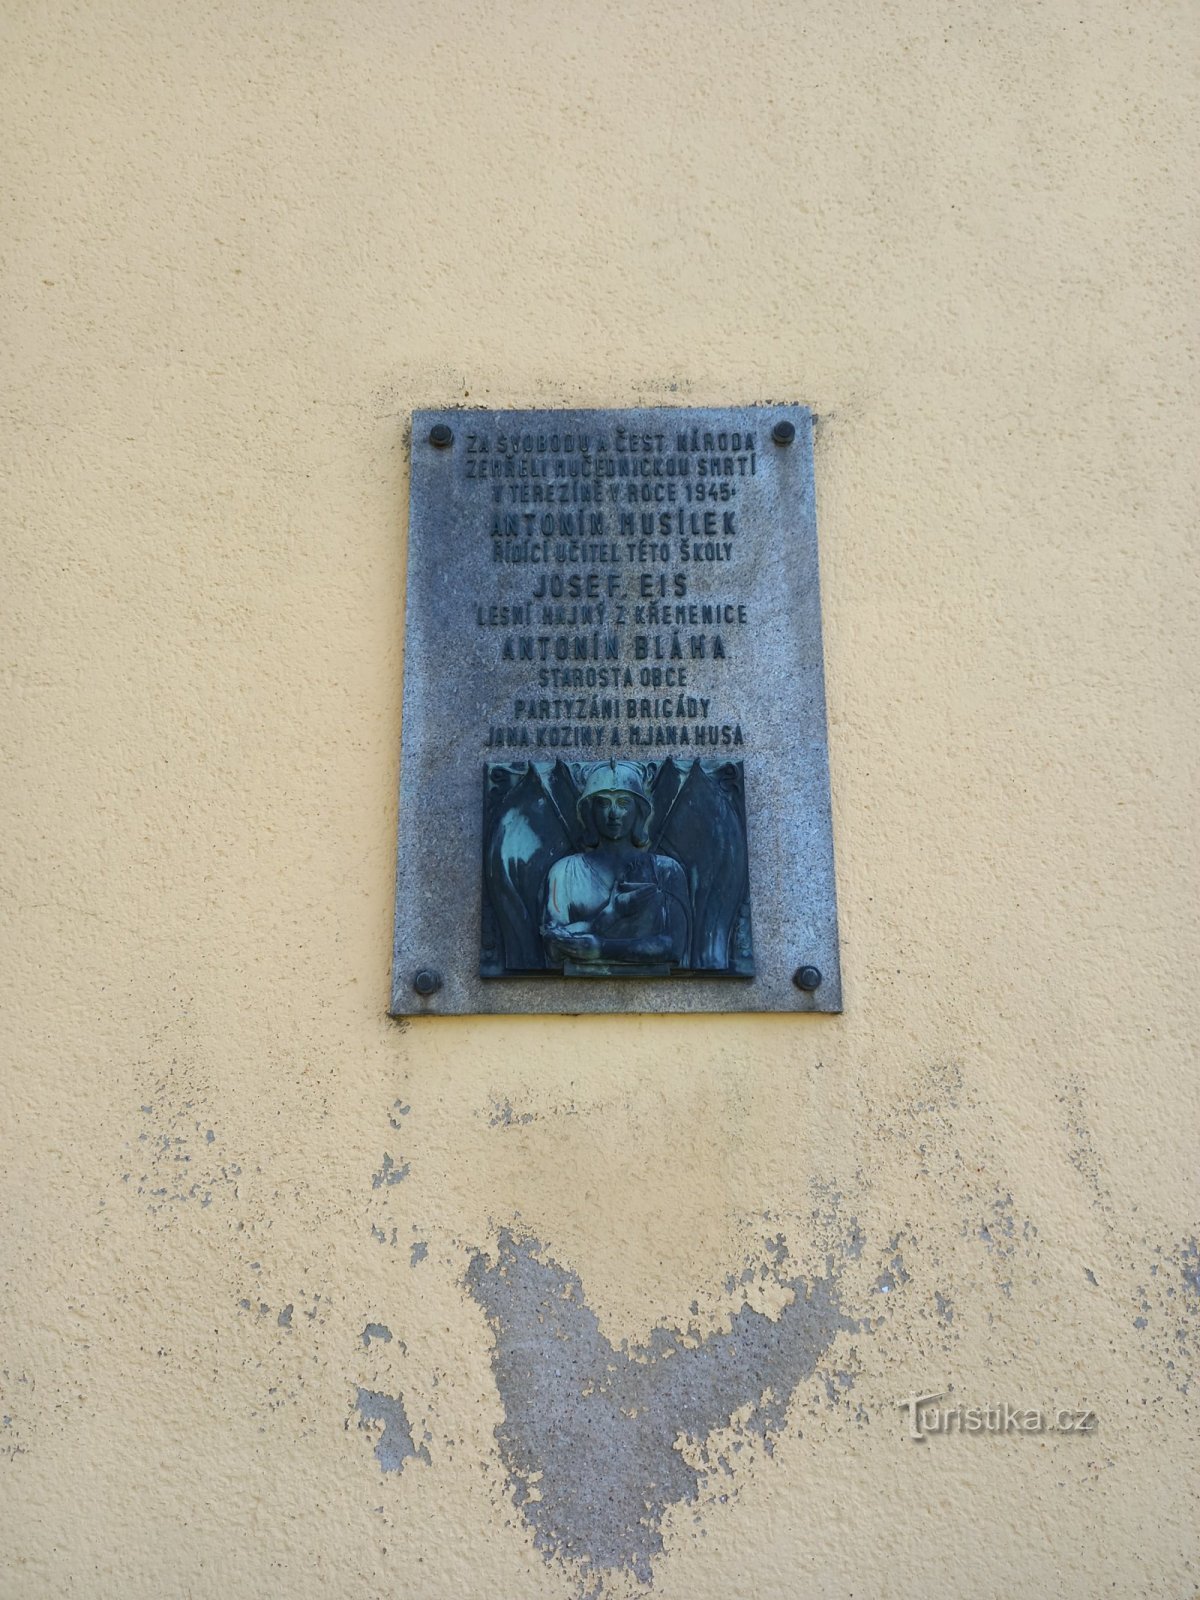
point(616, 777)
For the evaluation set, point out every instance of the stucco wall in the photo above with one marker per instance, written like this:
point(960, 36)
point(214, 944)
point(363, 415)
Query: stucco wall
point(300, 1300)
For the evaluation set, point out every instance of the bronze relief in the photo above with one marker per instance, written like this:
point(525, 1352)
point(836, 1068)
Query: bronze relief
point(616, 869)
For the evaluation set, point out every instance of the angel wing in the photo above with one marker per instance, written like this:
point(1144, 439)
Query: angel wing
point(528, 823)
point(698, 818)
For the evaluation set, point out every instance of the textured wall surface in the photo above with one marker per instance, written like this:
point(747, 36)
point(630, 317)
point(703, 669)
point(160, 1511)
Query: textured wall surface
point(300, 1300)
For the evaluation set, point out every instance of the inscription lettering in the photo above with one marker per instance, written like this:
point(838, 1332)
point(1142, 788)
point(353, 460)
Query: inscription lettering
point(636, 540)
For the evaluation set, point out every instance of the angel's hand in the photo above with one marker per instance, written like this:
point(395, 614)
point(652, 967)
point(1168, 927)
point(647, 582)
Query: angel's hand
point(631, 896)
point(564, 945)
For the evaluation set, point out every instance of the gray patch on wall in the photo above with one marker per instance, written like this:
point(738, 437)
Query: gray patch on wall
point(395, 1444)
point(589, 1431)
point(389, 1173)
point(1168, 1299)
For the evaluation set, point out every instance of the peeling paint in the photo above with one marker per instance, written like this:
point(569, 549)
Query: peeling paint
point(503, 1116)
point(178, 1169)
point(1081, 1146)
point(376, 1330)
point(394, 1445)
point(590, 1432)
point(893, 1275)
point(1169, 1307)
point(390, 1173)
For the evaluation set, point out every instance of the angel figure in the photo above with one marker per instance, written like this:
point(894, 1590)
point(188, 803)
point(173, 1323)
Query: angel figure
point(615, 869)
point(616, 906)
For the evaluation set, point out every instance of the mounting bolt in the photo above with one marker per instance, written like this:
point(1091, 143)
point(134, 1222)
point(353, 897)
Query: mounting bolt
point(440, 435)
point(808, 978)
point(427, 982)
point(783, 432)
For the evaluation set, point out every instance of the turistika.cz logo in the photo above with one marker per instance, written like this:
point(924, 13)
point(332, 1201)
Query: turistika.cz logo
point(927, 1418)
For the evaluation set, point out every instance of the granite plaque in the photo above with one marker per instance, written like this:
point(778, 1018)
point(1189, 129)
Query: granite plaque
point(614, 790)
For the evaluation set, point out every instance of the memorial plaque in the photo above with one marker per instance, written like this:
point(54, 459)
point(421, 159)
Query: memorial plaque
point(614, 789)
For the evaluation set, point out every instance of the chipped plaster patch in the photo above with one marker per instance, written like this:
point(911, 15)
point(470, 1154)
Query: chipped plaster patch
point(394, 1446)
point(593, 1436)
point(503, 1115)
point(176, 1158)
point(1168, 1307)
point(390, 1173)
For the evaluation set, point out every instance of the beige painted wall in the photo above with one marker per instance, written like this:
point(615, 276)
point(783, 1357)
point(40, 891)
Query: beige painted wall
point(240, 243)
